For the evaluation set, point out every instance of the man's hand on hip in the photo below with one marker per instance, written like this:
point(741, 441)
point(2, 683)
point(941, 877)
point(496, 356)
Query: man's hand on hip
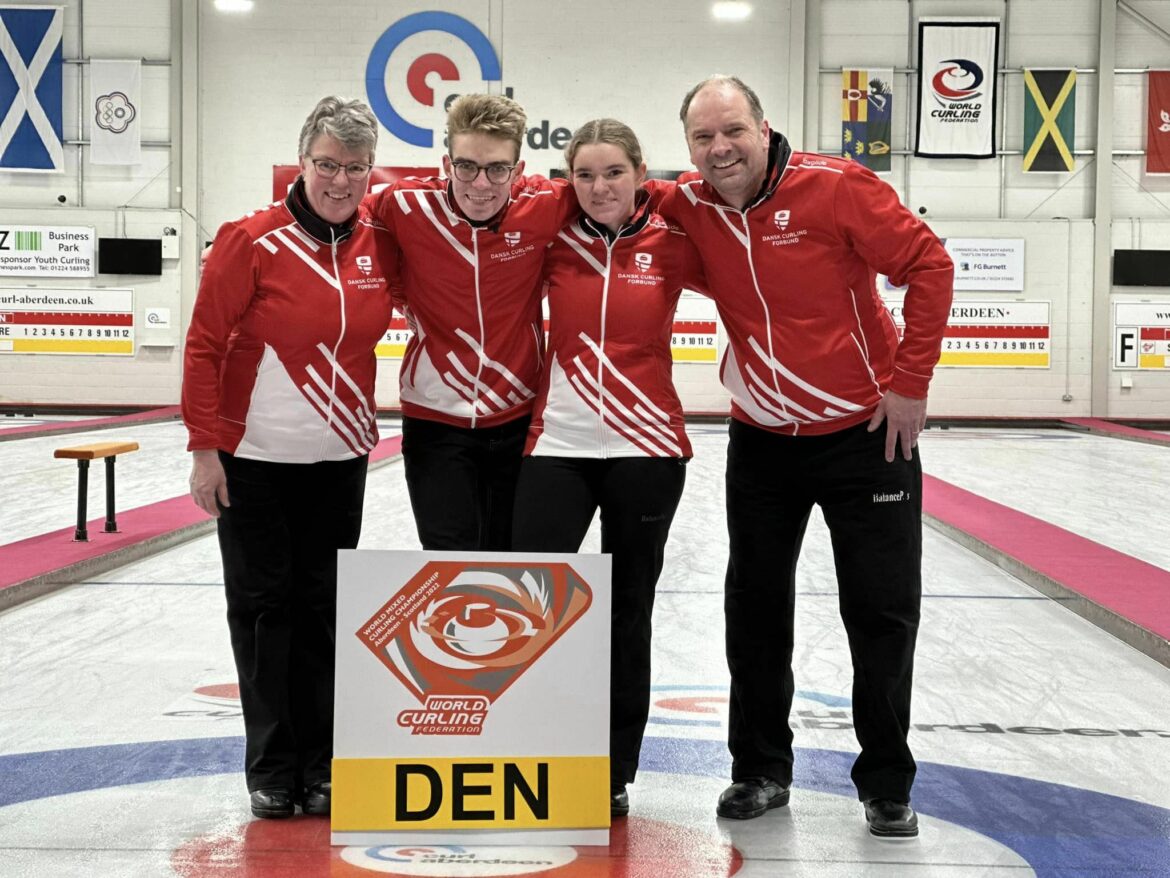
point(905, 418)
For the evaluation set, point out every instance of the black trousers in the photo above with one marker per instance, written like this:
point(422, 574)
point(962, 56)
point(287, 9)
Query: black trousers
point(279, 541)
point(873, 510)
point(462, 482)
point(555, 502)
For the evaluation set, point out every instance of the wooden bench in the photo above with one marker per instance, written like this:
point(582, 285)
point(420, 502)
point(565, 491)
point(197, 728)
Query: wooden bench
point(83, 454)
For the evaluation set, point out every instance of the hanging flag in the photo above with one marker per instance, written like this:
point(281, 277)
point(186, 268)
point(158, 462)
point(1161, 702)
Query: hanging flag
point(867, 103)
point(30, 88)
point(957, 88)
point(115, 89)
point(1158, 123)
point(1049, 119)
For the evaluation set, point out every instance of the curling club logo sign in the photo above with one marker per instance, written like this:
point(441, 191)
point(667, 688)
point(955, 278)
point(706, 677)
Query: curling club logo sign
point(458, 634)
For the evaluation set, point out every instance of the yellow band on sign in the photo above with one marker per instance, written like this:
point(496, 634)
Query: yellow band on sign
point(555, 792)
point(983, 358)
point(1152, 361)
point(70, 346)
point(693, 355)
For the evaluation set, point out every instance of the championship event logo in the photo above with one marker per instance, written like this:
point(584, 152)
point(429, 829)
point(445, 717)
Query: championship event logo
point(421, 67)
point(458, 634)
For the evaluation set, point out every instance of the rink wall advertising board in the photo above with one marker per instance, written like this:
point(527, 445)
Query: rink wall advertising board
point(1141, 335)
point(992, 334)
point(981, 265)
point(66, 321)
point(472, 699)
point(392, 345)
point(47, 251)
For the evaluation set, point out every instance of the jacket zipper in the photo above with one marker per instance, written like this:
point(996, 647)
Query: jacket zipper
point(337, 344)
point(482, 335)
point(601, 443)
point(747, 234)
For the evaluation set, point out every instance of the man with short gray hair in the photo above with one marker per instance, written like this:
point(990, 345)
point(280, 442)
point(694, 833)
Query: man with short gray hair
point(790, 243)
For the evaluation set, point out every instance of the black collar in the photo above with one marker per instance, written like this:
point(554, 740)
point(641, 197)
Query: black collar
point(307, 219)
point(779, 152)
point(632, 226)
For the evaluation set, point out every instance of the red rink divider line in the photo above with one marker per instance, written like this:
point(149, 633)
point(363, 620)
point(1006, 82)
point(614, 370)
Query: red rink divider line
point(1125, 595)
point(46, 562)
point(1120, 431)
point(167, 413)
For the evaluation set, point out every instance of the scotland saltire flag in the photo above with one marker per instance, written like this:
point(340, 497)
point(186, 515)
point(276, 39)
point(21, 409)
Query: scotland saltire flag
point(30, 88)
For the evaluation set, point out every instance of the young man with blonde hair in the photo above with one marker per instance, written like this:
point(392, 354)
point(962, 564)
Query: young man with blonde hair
point(472, 248)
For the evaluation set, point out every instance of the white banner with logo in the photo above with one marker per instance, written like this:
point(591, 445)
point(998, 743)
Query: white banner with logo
point(1141, 335)
point(47, 251)
point(981, 264)
point(957, 87)
point(115, 89)
point(472, 701)
point(66, 321)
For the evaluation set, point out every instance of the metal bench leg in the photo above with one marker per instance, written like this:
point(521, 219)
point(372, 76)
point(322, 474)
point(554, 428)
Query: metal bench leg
point(111, 524)
point(80, 535)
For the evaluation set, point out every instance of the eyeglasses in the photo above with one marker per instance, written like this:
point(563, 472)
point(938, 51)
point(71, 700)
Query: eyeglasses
point(467, 172)
point(328, 168)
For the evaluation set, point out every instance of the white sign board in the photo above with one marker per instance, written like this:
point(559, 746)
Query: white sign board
point(982, 264)
point(472, 699)
point(66, 321)
point(47, 251)
point(1141, 335)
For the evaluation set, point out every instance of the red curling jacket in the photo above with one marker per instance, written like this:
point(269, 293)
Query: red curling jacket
point(606, 388)
point(812, 348)
point(279, 362)
point(471, 293)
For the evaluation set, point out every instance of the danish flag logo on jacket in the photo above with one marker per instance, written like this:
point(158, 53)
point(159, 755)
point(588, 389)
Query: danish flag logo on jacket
point(513, 238)
point(643, 260)
point(365, 264)
point(781, 219)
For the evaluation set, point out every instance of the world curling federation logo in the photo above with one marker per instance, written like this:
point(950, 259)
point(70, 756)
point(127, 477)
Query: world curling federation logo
point(421, 67)
point(955, 88)
point(458, 634)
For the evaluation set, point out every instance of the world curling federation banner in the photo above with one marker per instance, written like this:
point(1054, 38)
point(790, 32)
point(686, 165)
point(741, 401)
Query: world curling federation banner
point(472, 699)
point(957, 88)
point(867, 106)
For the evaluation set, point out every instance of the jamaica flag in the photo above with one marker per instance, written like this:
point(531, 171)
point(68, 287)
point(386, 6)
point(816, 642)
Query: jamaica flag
point(1049, 119)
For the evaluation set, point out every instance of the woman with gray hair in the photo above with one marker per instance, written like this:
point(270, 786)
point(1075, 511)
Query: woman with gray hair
point(278, 400)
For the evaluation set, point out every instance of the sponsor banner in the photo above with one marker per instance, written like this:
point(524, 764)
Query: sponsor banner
point(115, 89)
point(47, 251)
point(981, 265)
point(1049, 119)
point(1158, 123)
point(992, 334)
point(66, 321)
point(394, 340)
point(472, 699)
point(957, 88)
point(987, 263)
point(1141, 335)
point(30, 88)
point(283, 177)
point(867, 103)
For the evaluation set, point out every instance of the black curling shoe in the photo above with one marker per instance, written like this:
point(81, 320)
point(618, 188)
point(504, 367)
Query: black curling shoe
point(272, 804)
point(318, 798)
point(889, 819)
point(751, 797)
point(619, 801)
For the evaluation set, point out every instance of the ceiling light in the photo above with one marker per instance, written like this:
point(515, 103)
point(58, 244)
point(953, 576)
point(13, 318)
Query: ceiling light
point(234, 5)
point(731, 10)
